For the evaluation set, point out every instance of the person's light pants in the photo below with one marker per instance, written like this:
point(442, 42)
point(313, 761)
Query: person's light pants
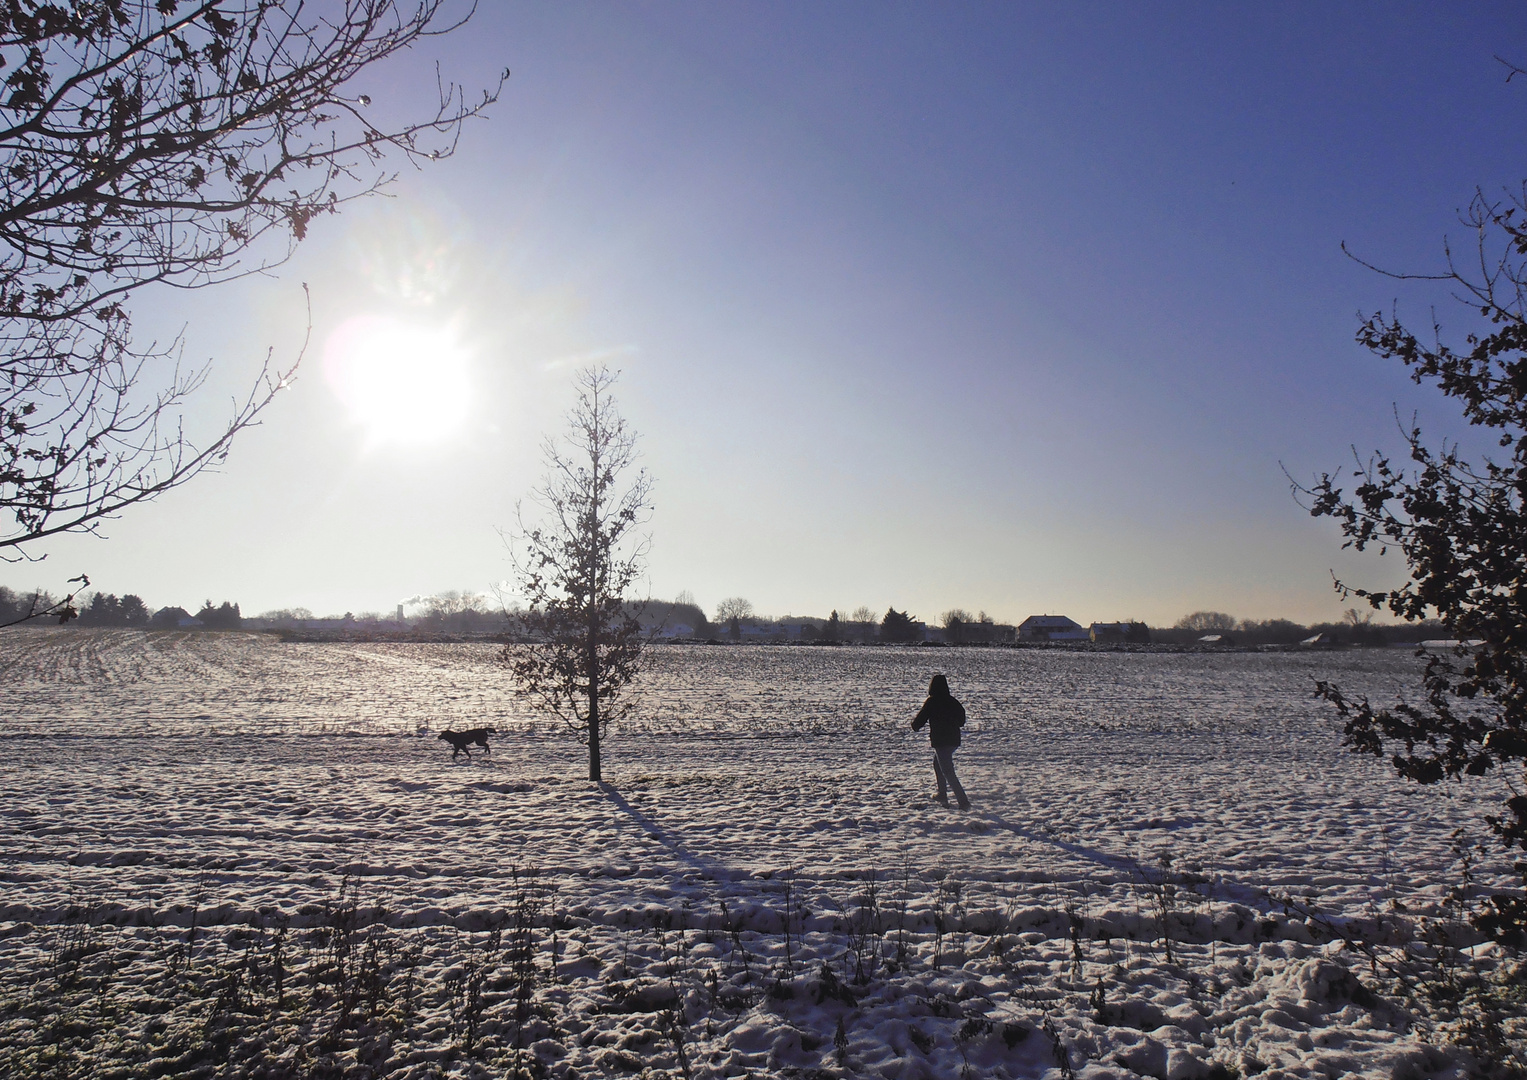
point(943, 768)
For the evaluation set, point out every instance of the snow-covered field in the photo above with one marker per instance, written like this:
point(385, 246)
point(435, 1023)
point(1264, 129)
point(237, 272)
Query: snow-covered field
point(1145, 885)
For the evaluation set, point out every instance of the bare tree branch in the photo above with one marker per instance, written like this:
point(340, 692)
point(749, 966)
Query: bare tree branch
point(1461, 526)
point(147, 142)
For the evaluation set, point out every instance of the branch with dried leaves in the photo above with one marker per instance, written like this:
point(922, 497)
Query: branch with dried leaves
point(148, 142)
point(42, 606)
point(1461, 526)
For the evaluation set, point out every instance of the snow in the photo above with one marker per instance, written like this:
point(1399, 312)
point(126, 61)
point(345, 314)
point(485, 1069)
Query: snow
point(174, 799)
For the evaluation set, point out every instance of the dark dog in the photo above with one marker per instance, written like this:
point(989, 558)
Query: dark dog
point(460, 740)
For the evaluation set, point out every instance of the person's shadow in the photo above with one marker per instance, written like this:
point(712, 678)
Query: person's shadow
point(1226, 891)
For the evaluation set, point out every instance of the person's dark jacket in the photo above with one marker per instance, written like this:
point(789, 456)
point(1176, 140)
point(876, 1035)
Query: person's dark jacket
point(943, 714)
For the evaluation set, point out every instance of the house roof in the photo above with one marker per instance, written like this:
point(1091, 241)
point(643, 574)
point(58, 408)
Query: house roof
point(1059, 622)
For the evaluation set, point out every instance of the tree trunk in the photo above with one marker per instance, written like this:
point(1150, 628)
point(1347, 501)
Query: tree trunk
point(593, 676)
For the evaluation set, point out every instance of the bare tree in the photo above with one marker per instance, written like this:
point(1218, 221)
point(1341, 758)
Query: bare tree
point(454, 602)
point(1206, 620)
point(732, 611)
point(734, 607)
point(1356, 620)
point(576, 566)
point(954, 622)
point(154, 142)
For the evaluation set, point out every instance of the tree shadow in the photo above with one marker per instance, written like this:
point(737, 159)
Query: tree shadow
point(645, 822)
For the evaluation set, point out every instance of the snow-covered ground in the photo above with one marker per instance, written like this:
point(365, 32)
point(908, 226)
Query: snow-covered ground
point(1145, 885)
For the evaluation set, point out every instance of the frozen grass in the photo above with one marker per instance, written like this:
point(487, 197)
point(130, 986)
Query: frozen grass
point(927, 984)
point(227, 856)
point(883, 976)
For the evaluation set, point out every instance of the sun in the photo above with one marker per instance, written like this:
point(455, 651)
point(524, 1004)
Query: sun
point(402, 382)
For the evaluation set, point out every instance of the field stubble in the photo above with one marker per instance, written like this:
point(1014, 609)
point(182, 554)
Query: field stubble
point(222, 848)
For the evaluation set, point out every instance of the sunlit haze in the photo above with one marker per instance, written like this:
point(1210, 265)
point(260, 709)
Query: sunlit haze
point(399, 381)
point(1019, 308)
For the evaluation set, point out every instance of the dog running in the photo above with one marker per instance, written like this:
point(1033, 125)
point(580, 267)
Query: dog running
point(461, 740)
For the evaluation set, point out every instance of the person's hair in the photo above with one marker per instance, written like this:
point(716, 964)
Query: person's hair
point(938, 685)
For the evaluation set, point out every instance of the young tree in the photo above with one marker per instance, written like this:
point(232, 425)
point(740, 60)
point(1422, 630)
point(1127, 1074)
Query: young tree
point(155, 142)
point(576, 565)
point(1461, 524)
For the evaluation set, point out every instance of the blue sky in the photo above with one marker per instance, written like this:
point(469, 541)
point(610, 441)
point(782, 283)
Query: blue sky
point(1013, 307)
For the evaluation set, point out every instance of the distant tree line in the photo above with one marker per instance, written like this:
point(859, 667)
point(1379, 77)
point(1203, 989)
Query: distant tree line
point(105, 609)
point(1355, 628)
point(861, 626)
point(108, 609)
point(16, 606)
point(735, 615)
point(466, 612)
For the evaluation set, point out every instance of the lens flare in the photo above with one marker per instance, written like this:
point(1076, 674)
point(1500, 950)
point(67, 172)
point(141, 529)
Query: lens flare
point(402, 382)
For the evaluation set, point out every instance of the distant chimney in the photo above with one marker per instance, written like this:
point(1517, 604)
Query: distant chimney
point(400, 613)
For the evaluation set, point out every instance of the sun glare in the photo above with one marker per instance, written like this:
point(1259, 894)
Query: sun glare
point(402, 382)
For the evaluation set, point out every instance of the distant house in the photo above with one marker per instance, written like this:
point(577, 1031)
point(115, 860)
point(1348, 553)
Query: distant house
point(1050, 628)
point(173, 618)
point(770, 630)
point(1118, 632)
point(975, 632)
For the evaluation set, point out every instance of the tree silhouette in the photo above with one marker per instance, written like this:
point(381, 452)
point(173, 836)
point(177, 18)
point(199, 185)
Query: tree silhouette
point(150, 142)
point(1203, 621)
point(1461, 524)
point(104, 609)
point(223, 617)
point(732, 611)
point(576, 565)
point(134, 611)
point(954, 621)
point(898, 626)
point(16, 609)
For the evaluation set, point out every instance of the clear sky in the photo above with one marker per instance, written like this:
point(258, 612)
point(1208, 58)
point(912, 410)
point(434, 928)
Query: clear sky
point(1008, 306)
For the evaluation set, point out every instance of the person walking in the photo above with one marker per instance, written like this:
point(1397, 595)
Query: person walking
point(944, 716)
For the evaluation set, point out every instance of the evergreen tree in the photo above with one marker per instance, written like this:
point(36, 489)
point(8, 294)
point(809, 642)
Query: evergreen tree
point(134, 611)
point(898, 626)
